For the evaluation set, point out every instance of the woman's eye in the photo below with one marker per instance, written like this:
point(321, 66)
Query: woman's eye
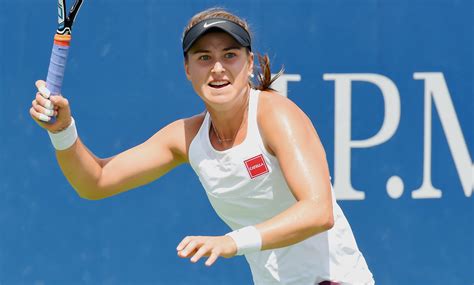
point(204, 57)
point(230, 55)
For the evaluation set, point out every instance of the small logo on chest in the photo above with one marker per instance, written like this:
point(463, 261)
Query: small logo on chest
point(256, 166)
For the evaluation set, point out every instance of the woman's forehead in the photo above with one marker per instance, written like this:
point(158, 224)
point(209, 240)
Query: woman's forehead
point(215, 40)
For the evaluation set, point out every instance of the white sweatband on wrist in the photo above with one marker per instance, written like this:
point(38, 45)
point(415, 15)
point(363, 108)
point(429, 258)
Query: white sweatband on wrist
point(66, 138)
point(248, 240)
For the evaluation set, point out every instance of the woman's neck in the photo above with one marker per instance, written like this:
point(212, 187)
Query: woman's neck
point(226, 124)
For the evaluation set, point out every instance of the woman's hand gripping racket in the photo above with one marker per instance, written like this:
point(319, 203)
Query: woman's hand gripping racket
point(57, 62)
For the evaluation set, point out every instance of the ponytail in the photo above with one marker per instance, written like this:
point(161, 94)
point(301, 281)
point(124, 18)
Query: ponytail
point(264, 74)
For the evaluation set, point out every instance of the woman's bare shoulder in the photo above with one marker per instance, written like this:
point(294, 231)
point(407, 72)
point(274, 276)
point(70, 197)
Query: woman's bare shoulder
point(184, 130)
point(280, 117)
point(273, 106)
point(192, 126)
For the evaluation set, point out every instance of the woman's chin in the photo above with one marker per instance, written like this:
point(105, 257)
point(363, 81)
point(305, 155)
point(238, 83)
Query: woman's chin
point(219, 95)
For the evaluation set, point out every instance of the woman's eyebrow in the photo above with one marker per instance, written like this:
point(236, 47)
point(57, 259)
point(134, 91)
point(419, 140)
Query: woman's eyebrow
point(199, 51)
point(208, 51)
point(231, 48)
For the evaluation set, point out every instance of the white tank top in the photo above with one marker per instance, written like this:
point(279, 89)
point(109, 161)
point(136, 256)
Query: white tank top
point(245, 185)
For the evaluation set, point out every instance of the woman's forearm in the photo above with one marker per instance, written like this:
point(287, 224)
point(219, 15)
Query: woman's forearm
point(82, 169)
point(297, 223)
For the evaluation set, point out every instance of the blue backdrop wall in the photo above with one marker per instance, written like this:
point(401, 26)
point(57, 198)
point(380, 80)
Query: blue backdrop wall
point(388, 85)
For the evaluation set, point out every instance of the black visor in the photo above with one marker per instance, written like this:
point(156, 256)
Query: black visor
point(233, 29)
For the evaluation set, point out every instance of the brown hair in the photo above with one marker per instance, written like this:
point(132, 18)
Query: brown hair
point(263, 75)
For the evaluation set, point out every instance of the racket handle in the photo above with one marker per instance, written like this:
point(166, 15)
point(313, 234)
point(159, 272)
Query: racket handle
point(57, 65)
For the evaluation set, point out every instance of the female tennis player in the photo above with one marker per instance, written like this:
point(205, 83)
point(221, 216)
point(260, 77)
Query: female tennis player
point(257, 156)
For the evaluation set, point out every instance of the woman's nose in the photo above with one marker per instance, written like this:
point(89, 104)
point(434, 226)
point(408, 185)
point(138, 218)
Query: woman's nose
point(217, 68)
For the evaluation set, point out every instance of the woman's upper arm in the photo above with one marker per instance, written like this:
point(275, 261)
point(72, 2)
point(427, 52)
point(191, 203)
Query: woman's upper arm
point(289, 134)
point(145, 162)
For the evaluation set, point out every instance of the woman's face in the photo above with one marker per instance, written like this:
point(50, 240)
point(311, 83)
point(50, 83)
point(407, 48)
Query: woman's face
point(218, 68)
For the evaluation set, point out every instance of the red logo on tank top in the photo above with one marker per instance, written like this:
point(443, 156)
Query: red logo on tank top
point(256, 166)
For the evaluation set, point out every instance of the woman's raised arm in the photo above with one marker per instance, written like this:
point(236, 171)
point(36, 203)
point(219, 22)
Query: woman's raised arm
point(95, 178)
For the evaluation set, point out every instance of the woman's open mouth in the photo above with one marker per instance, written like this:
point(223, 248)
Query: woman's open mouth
point(219, 84)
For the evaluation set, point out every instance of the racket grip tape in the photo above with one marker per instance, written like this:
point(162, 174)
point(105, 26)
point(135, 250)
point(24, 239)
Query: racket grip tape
point(57, 65)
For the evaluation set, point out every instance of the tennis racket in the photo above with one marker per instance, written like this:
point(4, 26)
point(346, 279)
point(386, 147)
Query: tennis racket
point(62, 39)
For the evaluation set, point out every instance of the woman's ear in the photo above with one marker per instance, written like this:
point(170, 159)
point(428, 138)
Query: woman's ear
point(186, 69)
point(251, 59)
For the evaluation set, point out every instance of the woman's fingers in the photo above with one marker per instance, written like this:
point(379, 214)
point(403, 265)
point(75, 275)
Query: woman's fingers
point(197, 247)
point(183, 243)
point(189, 249)
point(42, 90)
point(40, 109)
point(45, 107)
point(203, 250)
point(44, 98)
point(187, 246)
point(46, 103)
point(39, 116)
point(210, 261)
point(40, 84)
point(59, 101)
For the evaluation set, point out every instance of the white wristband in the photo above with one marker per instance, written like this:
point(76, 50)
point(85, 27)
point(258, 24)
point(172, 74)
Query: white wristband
point(66, 138)
point(248, 240)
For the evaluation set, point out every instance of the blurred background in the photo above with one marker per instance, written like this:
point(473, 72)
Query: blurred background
point(387, 83)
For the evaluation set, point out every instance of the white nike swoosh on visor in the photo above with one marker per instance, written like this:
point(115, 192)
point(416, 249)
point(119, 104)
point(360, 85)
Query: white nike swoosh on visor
point(207, 25)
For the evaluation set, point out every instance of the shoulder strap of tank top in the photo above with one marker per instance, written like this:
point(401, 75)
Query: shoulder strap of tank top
point(253, 130)
point(204, 128)
point(206, 124)
point(252, 116)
